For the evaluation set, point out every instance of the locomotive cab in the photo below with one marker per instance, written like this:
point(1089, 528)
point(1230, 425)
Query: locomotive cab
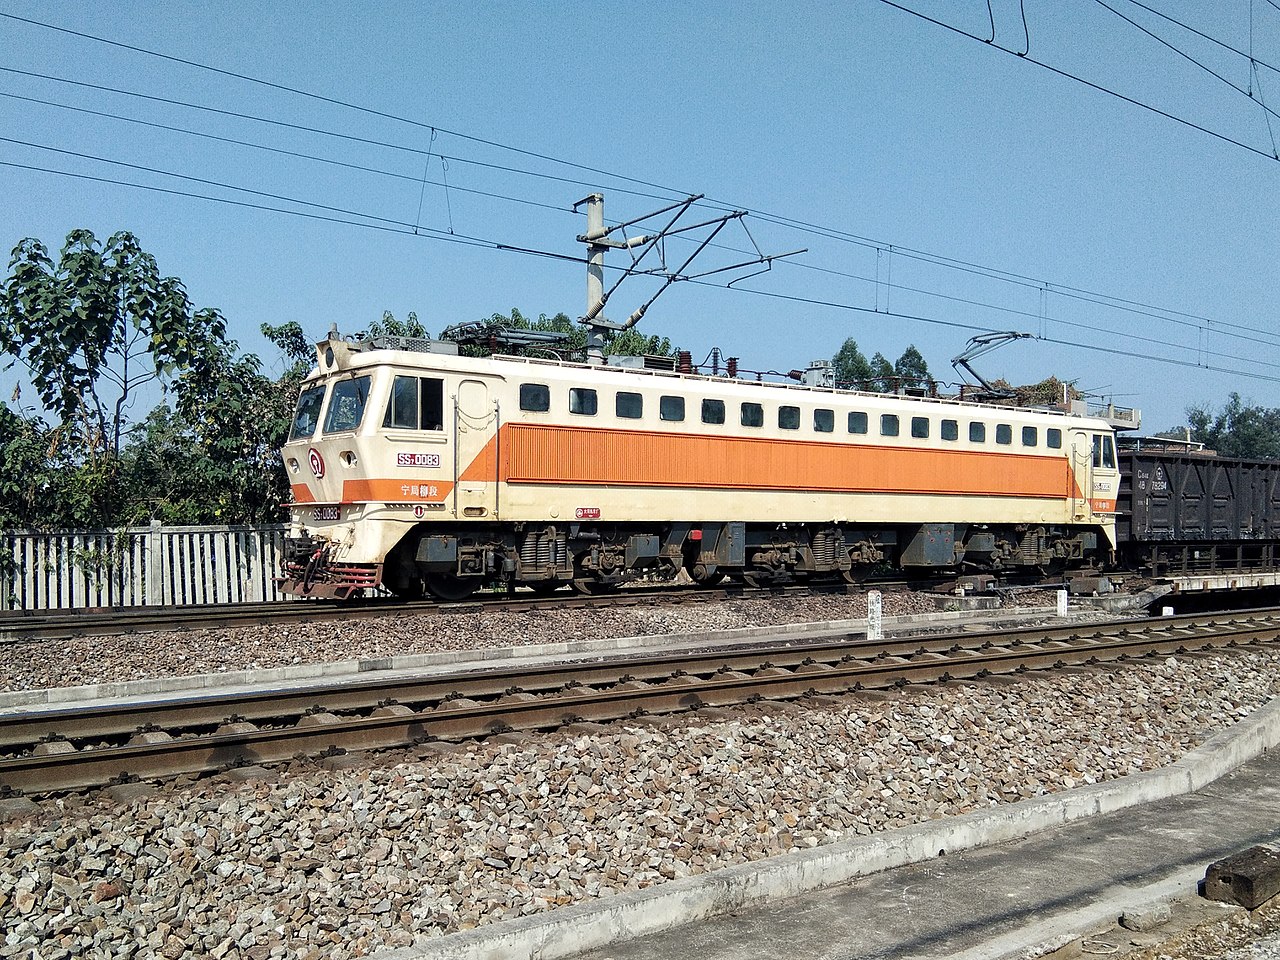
point(372, 440)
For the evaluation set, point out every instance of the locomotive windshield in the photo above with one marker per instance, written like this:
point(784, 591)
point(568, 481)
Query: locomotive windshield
point(346, 406)
point(308, 415)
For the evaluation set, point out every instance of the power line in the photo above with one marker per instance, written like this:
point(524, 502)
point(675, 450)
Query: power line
point(352, 138)
point(792, 223)
point(1205, 36)
point(386, 225)
point(414, 179)
point(336, 102)
point(1186, 56)
point(1088, 83)
point(279, 150)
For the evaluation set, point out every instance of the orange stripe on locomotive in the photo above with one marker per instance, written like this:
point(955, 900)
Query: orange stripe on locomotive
point(593, 456)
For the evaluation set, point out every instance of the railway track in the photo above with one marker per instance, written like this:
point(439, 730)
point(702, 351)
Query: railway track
point(57, 750)
point(25, 626)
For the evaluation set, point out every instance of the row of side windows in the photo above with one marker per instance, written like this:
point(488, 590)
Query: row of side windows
point(584, 401)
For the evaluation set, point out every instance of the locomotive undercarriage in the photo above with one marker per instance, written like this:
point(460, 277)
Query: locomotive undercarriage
point(451, 563)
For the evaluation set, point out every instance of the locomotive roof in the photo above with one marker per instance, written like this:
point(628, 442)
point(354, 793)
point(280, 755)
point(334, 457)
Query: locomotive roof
point(363, 355)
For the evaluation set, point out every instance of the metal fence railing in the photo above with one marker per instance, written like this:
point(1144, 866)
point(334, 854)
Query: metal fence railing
point(151, 565)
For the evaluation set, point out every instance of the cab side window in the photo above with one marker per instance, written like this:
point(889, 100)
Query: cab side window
point(535, 397)
point(1104, 452)
point(583, 401)
point(671, 408)
point(629, 406)
point(415, 403)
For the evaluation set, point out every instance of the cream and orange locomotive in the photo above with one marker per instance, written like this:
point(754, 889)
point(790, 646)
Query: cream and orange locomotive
point(416, 469)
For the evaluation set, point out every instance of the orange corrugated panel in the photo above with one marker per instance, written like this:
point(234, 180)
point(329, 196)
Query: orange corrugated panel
point(540, 454)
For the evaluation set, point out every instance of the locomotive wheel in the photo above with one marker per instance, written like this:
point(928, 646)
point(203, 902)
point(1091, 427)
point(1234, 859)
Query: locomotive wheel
point(858, 573)
point(446, 586)
point(704, 575)
point(590, 586)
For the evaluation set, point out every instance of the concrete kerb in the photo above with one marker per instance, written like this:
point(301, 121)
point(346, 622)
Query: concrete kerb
point(586, 926)
point(575, 648)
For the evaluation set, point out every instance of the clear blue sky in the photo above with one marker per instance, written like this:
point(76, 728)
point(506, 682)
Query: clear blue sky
point(852, 116)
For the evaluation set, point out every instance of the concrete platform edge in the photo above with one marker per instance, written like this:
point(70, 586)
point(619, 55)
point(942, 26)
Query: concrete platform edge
point(585, 926)
point(48, 696)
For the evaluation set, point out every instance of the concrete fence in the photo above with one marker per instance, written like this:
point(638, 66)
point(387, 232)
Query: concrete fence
point(134, 566)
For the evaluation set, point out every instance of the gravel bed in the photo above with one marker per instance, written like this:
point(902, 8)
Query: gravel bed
point(86, 660)
point(344, 863)
point(1239, 936)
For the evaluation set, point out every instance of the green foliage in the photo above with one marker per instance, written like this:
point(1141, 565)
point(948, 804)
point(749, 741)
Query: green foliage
point(911, 369)
point(91, 330)
point(1048, 392)
point(24, 449)
point(627, 343)
point(883, 379)
point(1238, 430)
point(851, 368)
point(45, 482)
point(389, 326)
point(95, 326)
point(295, 346)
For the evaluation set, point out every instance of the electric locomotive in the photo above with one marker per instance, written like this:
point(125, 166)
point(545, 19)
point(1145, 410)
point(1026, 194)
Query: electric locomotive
point(416, 469)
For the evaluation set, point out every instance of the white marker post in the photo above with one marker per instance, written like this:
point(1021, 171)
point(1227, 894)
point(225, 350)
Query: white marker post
point(1062, 603)
point(875, 616)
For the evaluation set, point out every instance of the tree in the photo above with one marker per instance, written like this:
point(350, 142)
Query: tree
point(621, 343)
point(1238, 430)
point(91, 331)
point(911, 369)
point(95, 327)
point(883, 379)
point(850, 367)
point(389, 326)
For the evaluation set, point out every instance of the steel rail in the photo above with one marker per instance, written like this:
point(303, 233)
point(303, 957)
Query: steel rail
point(22, 728)
point(27, 626)
point(613, 691)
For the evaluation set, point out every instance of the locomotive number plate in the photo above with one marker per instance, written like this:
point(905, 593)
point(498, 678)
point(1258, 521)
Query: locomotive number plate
point(324, 513)
point(587, 513)
point(418, 460)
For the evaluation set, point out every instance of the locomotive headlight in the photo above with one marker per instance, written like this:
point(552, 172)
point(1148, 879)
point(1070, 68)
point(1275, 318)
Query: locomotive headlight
point(349, 458)
point(293, 465)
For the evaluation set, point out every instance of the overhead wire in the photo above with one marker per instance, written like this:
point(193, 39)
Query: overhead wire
point(387, 225)
point(800, 225)
point(1186, 56)
point(830, 233)
point(363, 168)
point(303, 128)
point(1081, 80)
point(1204, 36)
point(334, 101)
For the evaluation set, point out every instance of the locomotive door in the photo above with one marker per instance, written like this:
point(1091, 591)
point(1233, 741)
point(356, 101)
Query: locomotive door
point(1081, 474)
point(475, 448)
